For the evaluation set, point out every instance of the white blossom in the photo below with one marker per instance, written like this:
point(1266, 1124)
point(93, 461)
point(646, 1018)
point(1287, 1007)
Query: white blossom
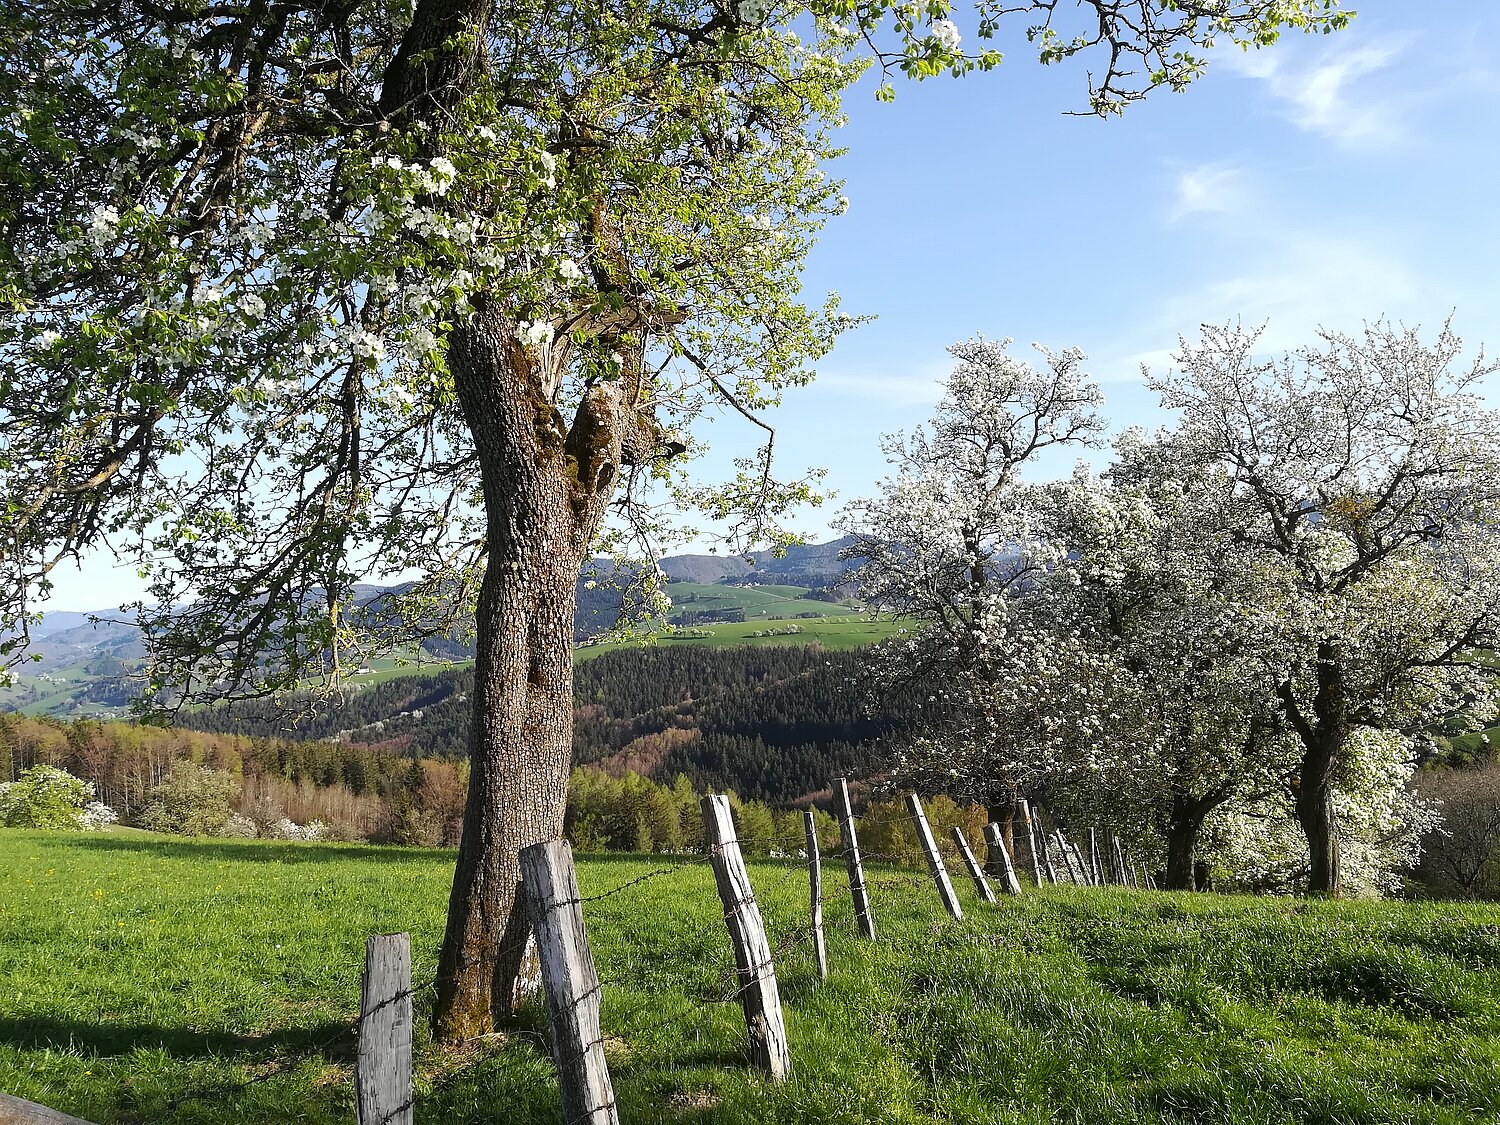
point(535, 333)
point(946, 33)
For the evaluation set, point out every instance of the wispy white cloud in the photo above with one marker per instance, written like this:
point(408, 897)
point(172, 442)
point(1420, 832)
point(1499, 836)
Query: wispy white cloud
point(1326, 95)
point(1216, 188)
point(919, 385)
point(1292, 284)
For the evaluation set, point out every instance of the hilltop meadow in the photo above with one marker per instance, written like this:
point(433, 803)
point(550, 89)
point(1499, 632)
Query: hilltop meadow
point(165, 980)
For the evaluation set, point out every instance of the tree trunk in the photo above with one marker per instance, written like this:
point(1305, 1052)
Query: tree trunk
point(1182, 843)
point(522, 733)
point(1323, 735)
point(1319, 818)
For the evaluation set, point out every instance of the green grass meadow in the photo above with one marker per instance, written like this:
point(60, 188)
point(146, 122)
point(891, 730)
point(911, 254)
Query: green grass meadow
point(850, 631)
point(153, 979)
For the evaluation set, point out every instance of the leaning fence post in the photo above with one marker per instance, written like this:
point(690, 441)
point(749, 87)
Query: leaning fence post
point(999, 859)
point(1120, 860)
point(976, 872)
point(1083, 865)
point(758, 993)
point(815, 879)
point(935, 864)
point(1023, 807)
point(1096, 873)
point(849, 841)
point(382, 1068)
point(570, 982)
point(1066, 851)
point(1047, 863)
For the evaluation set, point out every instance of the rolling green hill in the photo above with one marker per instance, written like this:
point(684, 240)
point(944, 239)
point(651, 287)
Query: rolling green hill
point(212, 982)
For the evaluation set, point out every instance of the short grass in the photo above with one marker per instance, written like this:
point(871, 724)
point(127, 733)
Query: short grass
point(147, 979)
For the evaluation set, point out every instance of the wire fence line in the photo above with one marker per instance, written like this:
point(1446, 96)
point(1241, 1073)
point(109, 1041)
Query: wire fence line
point(726, 985)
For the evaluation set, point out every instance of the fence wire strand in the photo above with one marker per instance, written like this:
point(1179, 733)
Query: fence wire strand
point(730, 981)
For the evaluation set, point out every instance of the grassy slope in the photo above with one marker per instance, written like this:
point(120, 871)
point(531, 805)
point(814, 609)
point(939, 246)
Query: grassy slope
point(137, 972)
point(768, 602)
point(853, 631)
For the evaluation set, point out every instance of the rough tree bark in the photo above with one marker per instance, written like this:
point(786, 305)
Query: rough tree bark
point(546, 484)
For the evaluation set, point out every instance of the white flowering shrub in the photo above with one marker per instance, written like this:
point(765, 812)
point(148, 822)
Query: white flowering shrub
point(46, 797)
point(239, 827)
point(288, 829)
point(97, 816)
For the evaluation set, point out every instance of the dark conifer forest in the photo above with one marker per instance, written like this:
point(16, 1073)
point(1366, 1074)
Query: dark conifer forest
point(771, 723)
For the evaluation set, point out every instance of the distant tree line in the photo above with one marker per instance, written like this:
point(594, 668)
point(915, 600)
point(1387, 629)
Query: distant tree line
point(771, 723)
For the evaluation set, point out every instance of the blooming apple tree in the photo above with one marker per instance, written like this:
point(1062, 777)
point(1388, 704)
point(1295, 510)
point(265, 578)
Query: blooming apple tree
point(303, 293)
point(1361, 479)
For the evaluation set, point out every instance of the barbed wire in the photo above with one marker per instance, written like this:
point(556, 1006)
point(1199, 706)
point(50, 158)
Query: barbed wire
point(735, 978)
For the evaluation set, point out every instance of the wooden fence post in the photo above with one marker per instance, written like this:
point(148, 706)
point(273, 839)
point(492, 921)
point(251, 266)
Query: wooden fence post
point(1075, 875)
point(976, 872)
point(382, 1068)
point(1083, 865)
point(1047, 863)
point(935, 865)
point(1033, 859)
point(815, 879)
point(999, 858)
point(759, 995)
point(849, 841)
point(1120, 860)
point(1096, 873)
point(570, 983)
point(18, 1111)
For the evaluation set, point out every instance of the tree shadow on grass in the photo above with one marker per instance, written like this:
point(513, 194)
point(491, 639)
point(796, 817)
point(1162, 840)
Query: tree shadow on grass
point(330, 1040)
point(252, 851)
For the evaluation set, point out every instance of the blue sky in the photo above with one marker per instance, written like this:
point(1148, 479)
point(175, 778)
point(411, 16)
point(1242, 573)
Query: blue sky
point(1327, 180)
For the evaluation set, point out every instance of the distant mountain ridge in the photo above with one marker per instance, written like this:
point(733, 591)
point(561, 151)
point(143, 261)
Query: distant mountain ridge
point(86, 658)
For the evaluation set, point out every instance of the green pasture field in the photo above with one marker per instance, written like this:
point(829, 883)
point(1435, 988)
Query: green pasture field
point(852, 631)
point(154, 979)
point(770, 602)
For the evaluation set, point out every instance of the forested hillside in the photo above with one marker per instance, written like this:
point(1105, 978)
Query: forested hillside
point(770, 723)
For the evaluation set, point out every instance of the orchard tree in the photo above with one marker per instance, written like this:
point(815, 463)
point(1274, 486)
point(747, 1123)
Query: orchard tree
point(1362, 478)
point(952, 542)
point(303, 293)
point(1152, 582)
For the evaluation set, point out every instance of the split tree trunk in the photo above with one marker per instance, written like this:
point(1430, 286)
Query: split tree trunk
point(545, 486)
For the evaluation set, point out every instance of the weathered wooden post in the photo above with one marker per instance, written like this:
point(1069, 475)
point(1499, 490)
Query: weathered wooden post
point(1032, 860)
point(1083, 865)
point(1096, 873)
point(18, 1111)
point(849, 842)
point(935, 865)
point(570, 982)
point(999, 859)
point(815, 879)
point(382, 1067)
point(976, 872)
point(1047, 864)
point(1120, 860)
point(1075, 875)
point(759, 995)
